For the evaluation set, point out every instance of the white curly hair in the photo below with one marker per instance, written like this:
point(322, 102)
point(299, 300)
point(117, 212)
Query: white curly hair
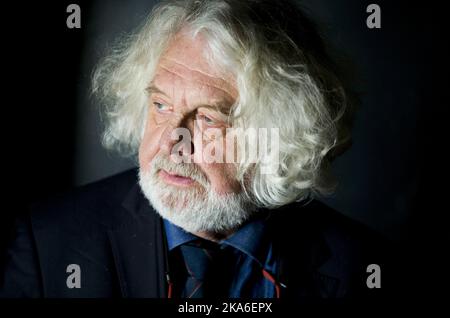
point(284, 75)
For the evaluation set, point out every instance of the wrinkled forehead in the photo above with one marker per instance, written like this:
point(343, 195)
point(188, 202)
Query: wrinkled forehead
point(186, 57)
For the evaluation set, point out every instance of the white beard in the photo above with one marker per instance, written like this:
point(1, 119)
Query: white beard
point(193, 209)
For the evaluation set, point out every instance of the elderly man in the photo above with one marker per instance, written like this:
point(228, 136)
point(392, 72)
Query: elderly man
point(195, 221)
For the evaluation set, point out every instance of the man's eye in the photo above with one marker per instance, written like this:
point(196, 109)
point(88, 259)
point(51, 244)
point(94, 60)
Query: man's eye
point(160, 107)
point(206, 119)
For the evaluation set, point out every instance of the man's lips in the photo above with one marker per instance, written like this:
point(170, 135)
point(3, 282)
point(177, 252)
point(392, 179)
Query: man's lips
point(174, 178)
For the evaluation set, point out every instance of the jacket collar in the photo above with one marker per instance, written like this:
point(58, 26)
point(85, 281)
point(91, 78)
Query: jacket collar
point(138, 249)
point(304, 256)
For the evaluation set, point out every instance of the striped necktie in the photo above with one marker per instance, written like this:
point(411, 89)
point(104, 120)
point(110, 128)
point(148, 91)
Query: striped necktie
point(209, 269)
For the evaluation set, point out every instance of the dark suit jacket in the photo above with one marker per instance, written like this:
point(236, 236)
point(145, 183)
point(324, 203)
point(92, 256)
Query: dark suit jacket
point(110, 230)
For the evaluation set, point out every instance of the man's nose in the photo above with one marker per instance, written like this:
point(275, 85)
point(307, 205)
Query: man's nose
point(177, 140)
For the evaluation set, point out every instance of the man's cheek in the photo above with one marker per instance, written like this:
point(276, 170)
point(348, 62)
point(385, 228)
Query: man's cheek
point(148, 149)
point(222, 177)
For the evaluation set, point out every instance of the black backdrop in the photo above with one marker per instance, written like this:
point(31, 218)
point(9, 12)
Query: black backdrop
point(392, 179)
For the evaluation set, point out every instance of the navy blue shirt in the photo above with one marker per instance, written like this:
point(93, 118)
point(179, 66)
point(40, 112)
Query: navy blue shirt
point(254, 252)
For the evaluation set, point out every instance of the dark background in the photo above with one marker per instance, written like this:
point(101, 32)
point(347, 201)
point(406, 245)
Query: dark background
point(392, 179)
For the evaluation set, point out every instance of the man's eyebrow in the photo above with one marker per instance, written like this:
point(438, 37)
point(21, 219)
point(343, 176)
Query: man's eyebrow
point(220, 107)
point(152, 88)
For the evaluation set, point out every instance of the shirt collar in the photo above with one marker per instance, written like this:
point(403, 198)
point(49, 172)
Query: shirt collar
point(176, 236)
point(251, 238)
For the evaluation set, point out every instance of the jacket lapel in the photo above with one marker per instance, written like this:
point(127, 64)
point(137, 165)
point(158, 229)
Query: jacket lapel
point(302, 274)
point(304, 257)
point(137, 249)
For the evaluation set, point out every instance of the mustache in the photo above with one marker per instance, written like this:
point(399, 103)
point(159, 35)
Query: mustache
point(189, 170)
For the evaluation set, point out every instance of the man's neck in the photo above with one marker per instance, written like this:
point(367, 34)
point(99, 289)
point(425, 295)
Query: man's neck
point(214, 236)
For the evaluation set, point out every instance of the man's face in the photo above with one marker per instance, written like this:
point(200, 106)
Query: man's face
point(188, 93)
point(183, 93)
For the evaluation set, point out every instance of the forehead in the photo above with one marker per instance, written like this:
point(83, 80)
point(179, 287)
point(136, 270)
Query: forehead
point(184, 62)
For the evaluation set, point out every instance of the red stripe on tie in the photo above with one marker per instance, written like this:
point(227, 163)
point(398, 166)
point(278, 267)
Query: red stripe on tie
point(269, 277)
